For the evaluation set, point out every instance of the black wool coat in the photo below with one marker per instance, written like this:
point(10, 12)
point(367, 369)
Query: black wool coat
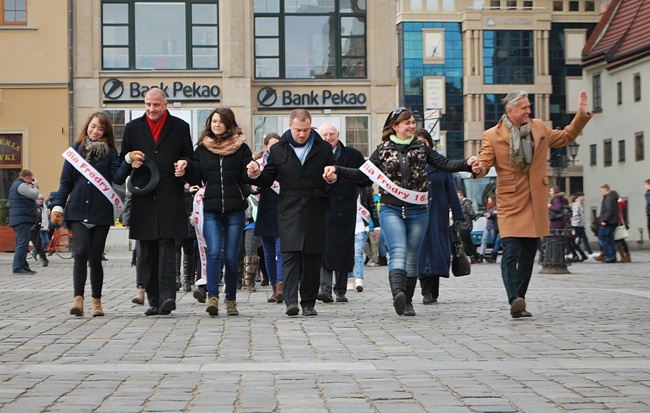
point(342, 215)
point(303, 194)
point(161, 212)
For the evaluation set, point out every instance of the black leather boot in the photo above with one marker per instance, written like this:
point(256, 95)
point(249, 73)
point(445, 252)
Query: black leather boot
point(179, 284)
point(426, 284)
point(188, 272)
point(397, 281)
point(411, 282)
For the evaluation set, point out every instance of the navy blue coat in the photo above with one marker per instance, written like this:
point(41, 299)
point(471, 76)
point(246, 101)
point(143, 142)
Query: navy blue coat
point(266, 224)
point(22, 210)
point(82, 201)
point(303, 194)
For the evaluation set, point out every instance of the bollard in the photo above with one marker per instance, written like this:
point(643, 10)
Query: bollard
point(552, 252)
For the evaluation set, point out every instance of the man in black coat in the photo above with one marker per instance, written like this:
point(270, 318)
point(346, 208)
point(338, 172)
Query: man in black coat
point(158, 217)
point(341, 220)
point(297, 162)
point(608, 222)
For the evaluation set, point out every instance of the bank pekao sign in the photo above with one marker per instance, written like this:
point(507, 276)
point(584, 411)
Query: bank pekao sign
point(117, 90)
point(269, 98)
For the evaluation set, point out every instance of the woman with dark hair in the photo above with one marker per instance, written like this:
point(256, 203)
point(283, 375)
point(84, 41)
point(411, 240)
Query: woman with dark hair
point(435, 255)
point(219, 163)
point(403, 182)
point(88, 212)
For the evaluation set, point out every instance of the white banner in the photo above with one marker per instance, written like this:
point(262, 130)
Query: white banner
point(90, 173)
point(406, 195)
point(197, 220)
point(363, 211)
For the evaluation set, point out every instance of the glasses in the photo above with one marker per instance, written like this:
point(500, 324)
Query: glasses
point(396, 113)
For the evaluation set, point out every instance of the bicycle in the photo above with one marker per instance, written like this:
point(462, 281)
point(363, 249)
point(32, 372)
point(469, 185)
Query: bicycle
point(62, 243)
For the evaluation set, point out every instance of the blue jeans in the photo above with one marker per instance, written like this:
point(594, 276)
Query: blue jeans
point(403, 229)
point(517, 265)
point(22, 243)
point(381, 244)
point(223, 231)
point(606, 239)
point(359, 241)
point(273, 258)
point(487, 234)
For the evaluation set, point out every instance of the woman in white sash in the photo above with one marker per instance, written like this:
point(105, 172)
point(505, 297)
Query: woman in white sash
point(398, 166)
point(88, 210)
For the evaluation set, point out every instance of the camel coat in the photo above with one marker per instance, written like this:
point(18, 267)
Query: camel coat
point(523, 200)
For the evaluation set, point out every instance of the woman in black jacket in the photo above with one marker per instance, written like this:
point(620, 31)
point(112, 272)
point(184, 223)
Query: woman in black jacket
point(220, 161)
point(88, 212)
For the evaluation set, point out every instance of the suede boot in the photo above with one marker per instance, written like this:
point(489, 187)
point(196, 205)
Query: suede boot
point(411, 282)
point(251, 270)
point(397, 281)
point(97, 307)
point(138, 298)
point(272, 298)
point(279, 296)
point(78, 306)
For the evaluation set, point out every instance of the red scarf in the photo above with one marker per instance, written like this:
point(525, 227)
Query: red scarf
point(156, 127)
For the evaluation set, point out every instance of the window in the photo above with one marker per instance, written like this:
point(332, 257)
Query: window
point(621, 151)
point(558, 5)
point(590, 5)
point(619, 93)
point(160, 35)
point(118, 119)
point(607, 152)
point(508, 57)
point(574, 5)
point(495, 4)
point(596, 92)
point(637, 87)
point(356, 133)
point(528, 5)
point(305, 39)
point(592, 154)
point(14, 12)
point(639, 151)
point(262, 126)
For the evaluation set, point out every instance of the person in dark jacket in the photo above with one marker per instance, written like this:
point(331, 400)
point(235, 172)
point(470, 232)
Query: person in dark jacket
point(158, 217)
point(220, 160)
point(22, 216)
point(435, 255)
point(646, 185)
point(298, 162)
point(400, 163)
point(88, 212)
point(608, 219)
point(266, 227)
point(366, 216)
point(341, 220)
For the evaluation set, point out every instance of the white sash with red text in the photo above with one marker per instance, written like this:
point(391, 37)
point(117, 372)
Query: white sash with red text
point(90, 173)
point(197, 221)
point(363, 212)
point(406, 195)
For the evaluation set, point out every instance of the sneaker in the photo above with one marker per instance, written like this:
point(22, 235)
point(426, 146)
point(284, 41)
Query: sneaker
point(231, 307)
point(350, 284)
point(358, 285)
point(213, 306)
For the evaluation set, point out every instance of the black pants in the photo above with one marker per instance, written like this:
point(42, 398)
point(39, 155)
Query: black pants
point(158, 270)
point(300, 270)
point(340, 281)
point(88, 248)
point(470, 248)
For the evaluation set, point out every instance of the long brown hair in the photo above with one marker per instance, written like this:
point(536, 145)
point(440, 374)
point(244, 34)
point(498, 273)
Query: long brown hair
point(227, 116)
point(105, 122)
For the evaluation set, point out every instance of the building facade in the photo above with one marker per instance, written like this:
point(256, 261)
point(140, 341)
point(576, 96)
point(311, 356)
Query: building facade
point(261, 58)
point(34, 91)
point(458, 59)
point(616, 64)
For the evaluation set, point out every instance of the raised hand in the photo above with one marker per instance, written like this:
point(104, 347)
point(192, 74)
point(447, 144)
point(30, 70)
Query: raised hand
point(583, 107)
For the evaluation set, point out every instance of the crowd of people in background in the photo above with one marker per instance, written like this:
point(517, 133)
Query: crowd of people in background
point(217, 216)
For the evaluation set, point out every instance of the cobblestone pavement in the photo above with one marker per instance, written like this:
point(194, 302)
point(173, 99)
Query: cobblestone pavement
point(586, 349)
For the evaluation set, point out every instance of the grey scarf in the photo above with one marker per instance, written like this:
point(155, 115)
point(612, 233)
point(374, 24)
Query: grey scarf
point(521, 145)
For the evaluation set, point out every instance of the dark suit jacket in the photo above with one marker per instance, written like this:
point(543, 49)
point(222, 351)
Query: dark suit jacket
point(161, 212)
point(303, 194)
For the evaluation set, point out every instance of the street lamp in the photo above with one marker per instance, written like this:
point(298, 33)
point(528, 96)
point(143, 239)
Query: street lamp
point(573, 151)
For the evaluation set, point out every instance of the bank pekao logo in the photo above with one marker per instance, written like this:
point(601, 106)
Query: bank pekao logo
point(267, 96)
point(113, 88)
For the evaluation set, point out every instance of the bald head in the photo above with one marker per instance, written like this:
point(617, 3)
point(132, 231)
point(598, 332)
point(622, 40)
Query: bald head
point(155, 103)
point(329, 133)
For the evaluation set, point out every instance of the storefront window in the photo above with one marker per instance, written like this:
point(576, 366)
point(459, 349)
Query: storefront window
point(508, 57)
point(306, 39)
point(160, 35)
point(356, 133)
point(11, 150)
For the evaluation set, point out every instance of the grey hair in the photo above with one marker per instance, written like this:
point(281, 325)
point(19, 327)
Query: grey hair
point(510, 101)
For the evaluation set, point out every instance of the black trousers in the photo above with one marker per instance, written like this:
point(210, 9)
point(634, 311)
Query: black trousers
point(300, 270)
point(88, 248)
point(158, 270)
point(340, 281)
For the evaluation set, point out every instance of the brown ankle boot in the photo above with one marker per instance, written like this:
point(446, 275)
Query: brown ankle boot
point(78, 306)
point(97, 307)
point(272, 298)
point(251, 269)
point(279, 296)
point(138, 298)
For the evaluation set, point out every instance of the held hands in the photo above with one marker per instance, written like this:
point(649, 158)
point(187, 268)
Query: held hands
point(477, 167)
point(329, 174)
point(136, 158)
point(179, 167)
point(253, 169)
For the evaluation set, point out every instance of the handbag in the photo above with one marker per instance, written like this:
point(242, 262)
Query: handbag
point(460, 265)
point(621, 232)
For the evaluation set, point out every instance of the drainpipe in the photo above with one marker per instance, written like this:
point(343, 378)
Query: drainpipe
point(70, 71)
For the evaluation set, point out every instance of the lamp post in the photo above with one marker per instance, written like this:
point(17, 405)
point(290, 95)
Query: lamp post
point(573, 151)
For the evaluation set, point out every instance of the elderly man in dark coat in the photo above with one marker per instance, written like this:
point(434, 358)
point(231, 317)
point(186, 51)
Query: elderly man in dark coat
point(297, 162)
point(341, 220)
point(158, 217)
